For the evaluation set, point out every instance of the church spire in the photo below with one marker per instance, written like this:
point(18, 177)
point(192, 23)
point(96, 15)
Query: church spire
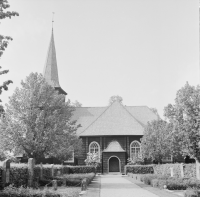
point(50, 72)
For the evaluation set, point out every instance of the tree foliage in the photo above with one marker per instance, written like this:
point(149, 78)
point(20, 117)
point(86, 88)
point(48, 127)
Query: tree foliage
point(37, 121)
point(185, 116)
point(115, 98)
point(4, 40)
point(92, 159)
point(157, 140)
point(155, 111)
point(76, 104)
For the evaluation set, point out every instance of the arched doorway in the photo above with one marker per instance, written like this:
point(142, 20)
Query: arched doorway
point(114, 164)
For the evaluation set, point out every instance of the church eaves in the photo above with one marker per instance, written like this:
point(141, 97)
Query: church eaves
point(50, 72)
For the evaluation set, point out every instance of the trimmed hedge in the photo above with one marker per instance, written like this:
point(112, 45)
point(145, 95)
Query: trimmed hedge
point(189, 170)
point(75, 179)
point(192, 193)
point(19, 175)
point(164, 169)
point(172, 183)
point(81, 169)
point(11, 191)
point(139, 169)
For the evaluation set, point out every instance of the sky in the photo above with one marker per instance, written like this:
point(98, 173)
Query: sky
point(142, 50)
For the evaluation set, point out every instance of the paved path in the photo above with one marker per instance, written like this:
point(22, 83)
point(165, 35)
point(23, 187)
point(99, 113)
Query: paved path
point(117, 186)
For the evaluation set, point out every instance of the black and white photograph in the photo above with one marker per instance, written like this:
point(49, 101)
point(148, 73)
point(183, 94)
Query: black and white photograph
point(99, 98)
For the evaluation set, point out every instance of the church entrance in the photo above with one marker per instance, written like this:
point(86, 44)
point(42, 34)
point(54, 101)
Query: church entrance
point(114, 165)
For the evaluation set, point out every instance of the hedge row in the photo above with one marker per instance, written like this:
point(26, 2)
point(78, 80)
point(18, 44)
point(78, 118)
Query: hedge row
point(139, 169)
point(81, 169)
point(19, 176)
point(189, 170)
point(19, 172)
point(164, 169)
point(192, 193)
point(171, 183)
point(11, 191)
point(75, 179)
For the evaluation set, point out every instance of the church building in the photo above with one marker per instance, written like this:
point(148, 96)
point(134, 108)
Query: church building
point(114, 131)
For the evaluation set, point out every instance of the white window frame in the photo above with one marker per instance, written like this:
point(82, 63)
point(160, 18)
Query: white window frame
point(135, 141)
point(94, 142)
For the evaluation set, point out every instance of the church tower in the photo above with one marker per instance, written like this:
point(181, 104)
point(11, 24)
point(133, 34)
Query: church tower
point(50, 72)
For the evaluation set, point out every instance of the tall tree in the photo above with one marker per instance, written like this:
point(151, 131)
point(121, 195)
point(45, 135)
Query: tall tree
point(38, 121)
point(156, 142)
point(185, 116)
point(115, 98)
point(4, 40)
point(155, 111)
point(76, 104)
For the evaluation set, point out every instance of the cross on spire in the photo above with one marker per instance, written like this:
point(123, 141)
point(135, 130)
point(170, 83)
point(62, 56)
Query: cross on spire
point(52, 20)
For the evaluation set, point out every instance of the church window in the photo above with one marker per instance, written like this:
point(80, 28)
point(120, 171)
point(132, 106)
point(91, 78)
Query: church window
point(134, 149)
point(94, 148)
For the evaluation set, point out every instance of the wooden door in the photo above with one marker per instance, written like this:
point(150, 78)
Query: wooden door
point(114, 164)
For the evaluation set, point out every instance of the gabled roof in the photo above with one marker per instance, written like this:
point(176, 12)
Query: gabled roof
point(50, 71)
point(114, 146)
point(115, 119)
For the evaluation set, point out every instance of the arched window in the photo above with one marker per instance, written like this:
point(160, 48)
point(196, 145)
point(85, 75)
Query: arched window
point(94, 148)
point(134, 149)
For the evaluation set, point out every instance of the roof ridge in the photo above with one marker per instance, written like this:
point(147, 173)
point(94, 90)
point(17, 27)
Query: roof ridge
point(106, 110)
point(96, 118)
point(132, 116)
point(92, 107)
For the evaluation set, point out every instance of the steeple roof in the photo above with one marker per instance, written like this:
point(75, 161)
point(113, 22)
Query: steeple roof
point(50, 71)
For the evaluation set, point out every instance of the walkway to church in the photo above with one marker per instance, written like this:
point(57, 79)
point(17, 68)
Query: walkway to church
point(122, 186)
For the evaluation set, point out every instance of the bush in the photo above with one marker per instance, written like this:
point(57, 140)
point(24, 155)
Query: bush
point(172, 183)
point(192, 193)
point(139, 169)
point(189, 170)
point(147, 179)
point(75, 179)
point(19, 175)
point(11, 191)
point(164, 169)
point(81, 169)
point(155, 183)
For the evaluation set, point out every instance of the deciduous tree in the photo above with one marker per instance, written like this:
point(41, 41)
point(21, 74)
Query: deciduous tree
point(156, 142)
point(38, 121)
point(185, 116)
point(4, 40)
point(115, 98)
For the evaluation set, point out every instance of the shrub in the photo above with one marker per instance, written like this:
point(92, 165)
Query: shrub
point(164, 169)
point(189, 170)
point(19, 175)
point(192, 193)
point(75, 179)
point(155, 183)
point(148, 178)
point(139, 169)
point(81, 169)
point(172, 183)
point(66, 169)
point(11, 191)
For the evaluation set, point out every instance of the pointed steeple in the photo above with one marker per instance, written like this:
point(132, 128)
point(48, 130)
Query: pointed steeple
point(50, 72)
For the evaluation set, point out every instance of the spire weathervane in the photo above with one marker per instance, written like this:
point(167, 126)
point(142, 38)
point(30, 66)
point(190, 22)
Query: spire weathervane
point(52, 19)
